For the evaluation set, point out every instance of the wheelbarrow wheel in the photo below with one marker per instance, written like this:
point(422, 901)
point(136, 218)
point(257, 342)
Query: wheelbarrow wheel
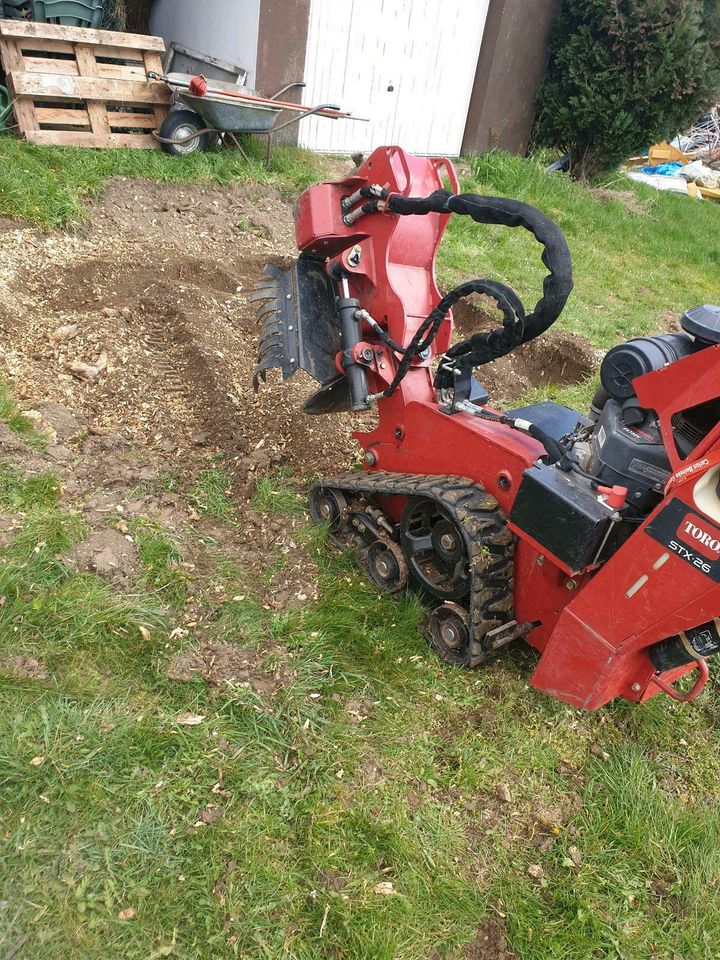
point(179, 126)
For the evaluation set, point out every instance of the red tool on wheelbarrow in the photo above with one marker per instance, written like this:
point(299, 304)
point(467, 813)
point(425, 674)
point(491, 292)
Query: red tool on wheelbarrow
point(595, 537)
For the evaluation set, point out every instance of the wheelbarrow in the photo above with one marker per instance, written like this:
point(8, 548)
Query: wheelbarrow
point(226, 110)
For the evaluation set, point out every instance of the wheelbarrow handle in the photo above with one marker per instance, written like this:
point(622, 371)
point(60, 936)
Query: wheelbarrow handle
point(301, 116)
point(151, 75)
point(288, 86)
point(252, 98)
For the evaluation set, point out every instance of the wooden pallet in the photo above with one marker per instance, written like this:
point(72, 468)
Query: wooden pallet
point(86, 88)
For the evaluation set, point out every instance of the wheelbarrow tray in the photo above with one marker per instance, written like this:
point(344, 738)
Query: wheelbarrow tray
point(232, 116)
point(228, 114)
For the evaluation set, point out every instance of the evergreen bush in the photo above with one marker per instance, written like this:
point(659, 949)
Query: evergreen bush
point(624, 74)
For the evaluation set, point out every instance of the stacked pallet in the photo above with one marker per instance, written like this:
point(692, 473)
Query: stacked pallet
point(73, 86)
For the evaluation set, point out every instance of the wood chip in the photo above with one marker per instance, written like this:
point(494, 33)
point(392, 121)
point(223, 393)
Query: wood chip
point(385, 888)
point(189, 719)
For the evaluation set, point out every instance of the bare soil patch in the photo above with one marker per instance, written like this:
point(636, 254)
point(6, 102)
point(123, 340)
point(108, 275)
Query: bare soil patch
point(555, 357)
point(154, 291)
point(22, 667)
point(628, 198)
point(6, 225)
point(490, 943)
point(223, 665)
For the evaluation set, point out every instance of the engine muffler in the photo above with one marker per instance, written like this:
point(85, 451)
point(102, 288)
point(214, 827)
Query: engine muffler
point(694, 644)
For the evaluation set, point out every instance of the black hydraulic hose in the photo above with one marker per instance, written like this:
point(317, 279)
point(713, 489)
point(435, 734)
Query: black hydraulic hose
point(598, 403)
point(555, 450)
point(518, 327)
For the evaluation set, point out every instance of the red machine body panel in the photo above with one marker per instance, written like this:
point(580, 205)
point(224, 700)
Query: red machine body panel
point(593, 628)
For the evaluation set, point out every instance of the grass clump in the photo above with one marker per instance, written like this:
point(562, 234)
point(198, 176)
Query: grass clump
point(274, 494)
point(211, 494)
point(21, 494)
point(17, 421)
point(60, 616)
point(160, 558)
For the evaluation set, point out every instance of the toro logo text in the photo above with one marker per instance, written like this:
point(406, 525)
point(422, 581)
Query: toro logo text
point(705, 542)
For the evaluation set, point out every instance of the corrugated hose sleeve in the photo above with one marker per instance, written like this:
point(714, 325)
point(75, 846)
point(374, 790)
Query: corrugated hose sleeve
point(518, 327)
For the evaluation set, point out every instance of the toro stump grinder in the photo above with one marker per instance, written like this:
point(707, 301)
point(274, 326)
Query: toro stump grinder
point(596, 538)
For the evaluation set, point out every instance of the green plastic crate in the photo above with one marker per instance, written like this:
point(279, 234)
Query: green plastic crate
point(70, 13)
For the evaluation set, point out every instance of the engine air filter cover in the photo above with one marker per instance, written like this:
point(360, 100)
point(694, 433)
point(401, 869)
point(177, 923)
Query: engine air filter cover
point(703, 323)
point(641, 355)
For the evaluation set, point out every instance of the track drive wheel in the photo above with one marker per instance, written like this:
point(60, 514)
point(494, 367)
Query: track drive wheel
point(386, 566)
point(327, 506)
point(448, 633)
point(435, 549)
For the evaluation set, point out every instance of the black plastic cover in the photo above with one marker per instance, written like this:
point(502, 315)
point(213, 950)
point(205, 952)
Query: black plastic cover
point(703, 323)
point(555, 419)
point(562, 514)
point(632, 359)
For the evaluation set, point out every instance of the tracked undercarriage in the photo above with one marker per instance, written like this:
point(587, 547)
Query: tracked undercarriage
point(450, 543)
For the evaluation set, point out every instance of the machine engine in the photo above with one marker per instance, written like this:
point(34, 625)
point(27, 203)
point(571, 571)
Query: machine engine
point(618, 450)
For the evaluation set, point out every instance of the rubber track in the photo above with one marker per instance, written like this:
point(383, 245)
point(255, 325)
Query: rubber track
point(489, 544)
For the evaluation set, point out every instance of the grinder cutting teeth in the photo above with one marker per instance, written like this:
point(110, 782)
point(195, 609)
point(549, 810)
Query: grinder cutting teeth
point(596, 538)
point(299, 325)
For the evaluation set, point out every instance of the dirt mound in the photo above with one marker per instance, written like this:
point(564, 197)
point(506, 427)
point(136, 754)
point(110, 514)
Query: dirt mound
point(224, 664)
point(555, 357)
point(489, 943)
point(157, 285)
point(110, 554)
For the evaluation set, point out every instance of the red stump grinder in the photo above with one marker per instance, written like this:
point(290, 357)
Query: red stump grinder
point(596, 538)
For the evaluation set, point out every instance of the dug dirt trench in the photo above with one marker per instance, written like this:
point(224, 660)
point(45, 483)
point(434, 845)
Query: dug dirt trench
point(132, 341)
point(154, 290)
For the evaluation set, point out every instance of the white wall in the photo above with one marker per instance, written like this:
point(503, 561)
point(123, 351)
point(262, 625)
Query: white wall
point(227, 29)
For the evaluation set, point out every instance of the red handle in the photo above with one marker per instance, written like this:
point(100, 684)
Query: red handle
point(704, 676)
point(442, 162)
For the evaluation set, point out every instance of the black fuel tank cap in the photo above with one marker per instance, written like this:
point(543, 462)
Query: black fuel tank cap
point(703, 323)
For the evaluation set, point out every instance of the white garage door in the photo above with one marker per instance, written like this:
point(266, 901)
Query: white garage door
point(408, 65)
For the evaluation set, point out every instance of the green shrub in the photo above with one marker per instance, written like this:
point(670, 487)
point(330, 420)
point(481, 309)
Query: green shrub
point(624, 74)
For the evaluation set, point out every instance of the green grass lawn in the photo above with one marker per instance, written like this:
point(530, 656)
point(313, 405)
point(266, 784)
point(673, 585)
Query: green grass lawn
point(377, 805)
point(49, 186)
